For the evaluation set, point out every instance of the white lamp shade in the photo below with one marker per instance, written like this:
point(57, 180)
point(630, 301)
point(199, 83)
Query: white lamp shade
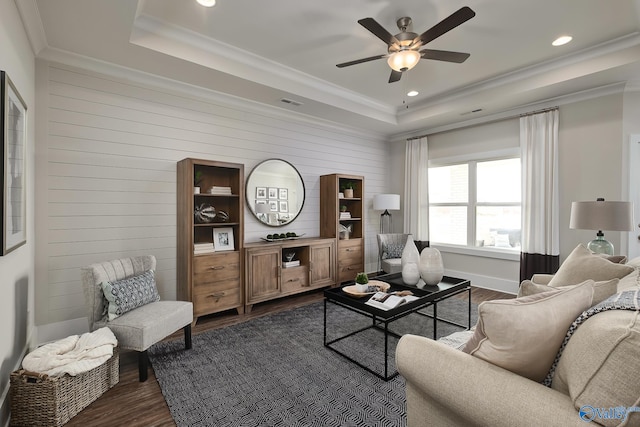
point(383, 202)
point(602, 215)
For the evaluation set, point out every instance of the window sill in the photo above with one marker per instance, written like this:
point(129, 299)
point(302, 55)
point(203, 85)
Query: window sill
point(485, 252)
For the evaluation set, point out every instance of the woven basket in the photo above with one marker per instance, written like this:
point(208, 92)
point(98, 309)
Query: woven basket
point(41, 400)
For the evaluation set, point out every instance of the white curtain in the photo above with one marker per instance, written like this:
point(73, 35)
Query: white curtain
point(416, 189)
point(540, 205)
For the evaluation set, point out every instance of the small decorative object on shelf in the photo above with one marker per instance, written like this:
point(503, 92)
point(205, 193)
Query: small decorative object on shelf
point(362, 282)
point(431, 267)
point(409, 261)
point(204, 214)
point(345, 231)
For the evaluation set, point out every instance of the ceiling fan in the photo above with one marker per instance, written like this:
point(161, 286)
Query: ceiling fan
point(404, 48)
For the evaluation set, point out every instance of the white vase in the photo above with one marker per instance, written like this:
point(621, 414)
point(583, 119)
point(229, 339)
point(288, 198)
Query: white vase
point(409, 262)
point(431, 267)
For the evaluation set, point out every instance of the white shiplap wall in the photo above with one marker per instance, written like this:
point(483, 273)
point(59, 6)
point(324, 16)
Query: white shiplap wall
point(107, 171)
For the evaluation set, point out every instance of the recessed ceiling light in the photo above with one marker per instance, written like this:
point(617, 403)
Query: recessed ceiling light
point(207, 3)
point(413, 93)
point(562, 40)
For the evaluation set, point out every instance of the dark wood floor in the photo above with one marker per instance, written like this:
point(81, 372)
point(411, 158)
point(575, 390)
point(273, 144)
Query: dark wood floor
point(132, 403)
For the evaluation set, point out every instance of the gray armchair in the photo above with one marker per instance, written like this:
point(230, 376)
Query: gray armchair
point(390, 248)
point(141, 327)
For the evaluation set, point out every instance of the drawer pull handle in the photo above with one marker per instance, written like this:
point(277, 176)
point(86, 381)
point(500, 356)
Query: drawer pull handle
point(217, 267)
point(217, 296)
point(348, 250)
point(297, 279)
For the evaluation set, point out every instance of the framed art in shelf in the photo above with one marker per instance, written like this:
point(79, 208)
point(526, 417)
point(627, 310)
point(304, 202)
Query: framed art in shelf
point(14, 188)
point(223, 239)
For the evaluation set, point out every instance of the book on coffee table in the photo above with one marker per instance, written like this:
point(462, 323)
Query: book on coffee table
point(386, 301)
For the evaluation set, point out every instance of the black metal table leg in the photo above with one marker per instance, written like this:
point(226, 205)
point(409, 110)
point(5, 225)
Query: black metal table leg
point(435, 321)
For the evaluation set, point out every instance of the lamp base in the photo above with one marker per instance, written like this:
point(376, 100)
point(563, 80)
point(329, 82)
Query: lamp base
point(385, 217)
point(600, 246)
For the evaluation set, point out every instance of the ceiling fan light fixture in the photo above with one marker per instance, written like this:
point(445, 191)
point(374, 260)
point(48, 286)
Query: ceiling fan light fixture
point(207, 3)
point(403, 60)
point(413, 93)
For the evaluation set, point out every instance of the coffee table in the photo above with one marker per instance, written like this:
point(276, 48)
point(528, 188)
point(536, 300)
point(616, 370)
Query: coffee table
point(429, 296)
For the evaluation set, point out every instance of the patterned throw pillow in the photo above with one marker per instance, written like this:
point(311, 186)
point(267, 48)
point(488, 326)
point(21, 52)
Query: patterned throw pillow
point(392, 251)
point(133, 292)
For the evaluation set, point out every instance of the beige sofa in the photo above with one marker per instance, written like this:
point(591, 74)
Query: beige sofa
point(599, 369)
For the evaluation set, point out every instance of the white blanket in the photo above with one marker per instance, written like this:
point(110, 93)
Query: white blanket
point(72, 355)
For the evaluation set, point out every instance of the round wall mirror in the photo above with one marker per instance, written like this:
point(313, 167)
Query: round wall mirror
point(275, 192)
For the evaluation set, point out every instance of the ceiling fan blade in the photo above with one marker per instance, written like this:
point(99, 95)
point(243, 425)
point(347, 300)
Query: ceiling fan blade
point(447, 24)
point(360, 61)
point(395, 76)
point(378, 30)
point(444, 55)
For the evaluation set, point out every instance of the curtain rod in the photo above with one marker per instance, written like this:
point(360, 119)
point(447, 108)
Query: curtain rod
point(544, 110)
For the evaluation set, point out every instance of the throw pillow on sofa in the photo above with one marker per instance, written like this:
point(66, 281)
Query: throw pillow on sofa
point(523, 335)
point(130, 293)
point(583, 265)
point(600, 363)
point(601, 290)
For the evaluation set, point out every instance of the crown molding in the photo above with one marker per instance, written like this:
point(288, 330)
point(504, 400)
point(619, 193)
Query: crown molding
point(145, 79)
point(511, 113)
point(158, 35)
point(30, 16)
point(533, 71)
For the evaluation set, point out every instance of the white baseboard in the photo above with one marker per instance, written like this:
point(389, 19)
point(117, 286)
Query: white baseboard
point(487, 282)
point(59, 330)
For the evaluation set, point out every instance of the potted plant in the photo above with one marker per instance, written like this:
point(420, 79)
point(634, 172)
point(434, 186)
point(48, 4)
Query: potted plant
point(362, 282)
point(197, 180)
point(347, 188)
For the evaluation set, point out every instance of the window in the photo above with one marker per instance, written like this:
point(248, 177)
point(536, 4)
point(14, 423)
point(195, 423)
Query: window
point(476, 203)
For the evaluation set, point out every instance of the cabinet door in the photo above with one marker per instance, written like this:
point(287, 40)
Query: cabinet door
point(322, 263)
point(263, 274)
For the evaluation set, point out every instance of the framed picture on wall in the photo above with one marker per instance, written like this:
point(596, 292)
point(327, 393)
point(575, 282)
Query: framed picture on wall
point(273, 205)
point(283, 193)
point(272, 193)
point(261, 192)
point(14, 186)
point(284, 206)
point(223, 239)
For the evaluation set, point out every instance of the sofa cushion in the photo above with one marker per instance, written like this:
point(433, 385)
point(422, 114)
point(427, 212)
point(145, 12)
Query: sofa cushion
point(523, 335)
point(599, 364)
point(583, 265)
point(127, 294)
point(601, 290)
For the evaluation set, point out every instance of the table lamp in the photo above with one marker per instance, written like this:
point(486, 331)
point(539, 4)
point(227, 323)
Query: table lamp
point(386, 202)
point(601, 215)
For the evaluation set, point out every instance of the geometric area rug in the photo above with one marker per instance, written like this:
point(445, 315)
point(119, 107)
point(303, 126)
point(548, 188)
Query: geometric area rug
point(275, 371)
